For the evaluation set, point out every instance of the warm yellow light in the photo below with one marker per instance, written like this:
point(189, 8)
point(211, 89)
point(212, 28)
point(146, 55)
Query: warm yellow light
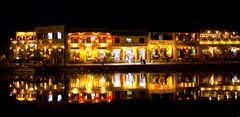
point(102, 44)
point(75, 91)
point(55, 86)
point(88, 44)
point(20, 98)
point(75, 45)
point(20, 33)
point(103, 90)
point(31, 99)
point(30, 33)
point(14, 42)
point(89, 90)
point(31, 45)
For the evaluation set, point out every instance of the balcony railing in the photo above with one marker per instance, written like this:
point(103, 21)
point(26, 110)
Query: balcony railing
point(187, 42)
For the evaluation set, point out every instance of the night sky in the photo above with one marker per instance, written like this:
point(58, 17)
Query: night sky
point(157, 16)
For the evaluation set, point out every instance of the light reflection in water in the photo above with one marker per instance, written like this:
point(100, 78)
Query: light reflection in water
point(96, 88)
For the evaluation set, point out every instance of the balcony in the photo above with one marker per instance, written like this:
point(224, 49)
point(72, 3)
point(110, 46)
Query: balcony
point(159, 42)
point(74, 45)
point(187, 42)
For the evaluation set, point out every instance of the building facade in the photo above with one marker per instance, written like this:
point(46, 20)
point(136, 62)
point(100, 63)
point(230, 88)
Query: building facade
point(216, 45)
point(129, 46)
point(24, 45)
point(89, 47)
point(50, 41)
point(123, 46)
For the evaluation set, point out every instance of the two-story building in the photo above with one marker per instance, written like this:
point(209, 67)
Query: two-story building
point(129, 45)
point(92, 45)
point(24, 45)
point(161, 46)
point(219, 45)
point(186, 45)
point(51, 42)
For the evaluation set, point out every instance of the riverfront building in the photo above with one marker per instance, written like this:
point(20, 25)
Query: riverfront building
point(56, 45)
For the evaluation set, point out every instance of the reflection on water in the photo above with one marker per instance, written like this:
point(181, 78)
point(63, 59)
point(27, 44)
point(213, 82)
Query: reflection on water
point(107, 87)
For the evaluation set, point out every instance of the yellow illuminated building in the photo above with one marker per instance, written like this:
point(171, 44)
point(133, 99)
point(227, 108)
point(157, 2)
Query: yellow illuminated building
point(219, 45)
point(187, 46)
point(89, 47)
point(24, 45)
point(51, 42)
point(161, 46)
point(129, 46)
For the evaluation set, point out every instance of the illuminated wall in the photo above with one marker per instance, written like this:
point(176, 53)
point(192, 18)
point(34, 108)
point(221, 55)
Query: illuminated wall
point(23, 45)
point(218, 44)
point(88, 46)
point(129, 47)
point(187, 45)
point(51, 42)
point(160, 45)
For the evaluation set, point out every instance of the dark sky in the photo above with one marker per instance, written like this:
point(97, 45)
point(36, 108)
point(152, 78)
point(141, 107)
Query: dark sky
point(158, 15)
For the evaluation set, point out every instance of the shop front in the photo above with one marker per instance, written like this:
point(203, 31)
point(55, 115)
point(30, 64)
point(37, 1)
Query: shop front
point(186, 53)
point(101, 55)
point(161, 52)
point(116, 55)
point(141, 53)
point(74, 55)
point(129, 56)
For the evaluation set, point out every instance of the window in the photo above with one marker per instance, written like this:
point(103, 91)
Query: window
point(30, 37)
point(20, 37)
point(141, 40)
point(40, 35)
point(74, 40)
point(167, 37)
point(102, 39)
point(59, 35)
point(129, 40)
point(88, 40)
point(117, 40)
point(50, 35)
point(156, 36)
point(59, 98)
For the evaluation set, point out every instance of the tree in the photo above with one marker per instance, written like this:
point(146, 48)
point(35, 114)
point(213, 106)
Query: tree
point(108, 56)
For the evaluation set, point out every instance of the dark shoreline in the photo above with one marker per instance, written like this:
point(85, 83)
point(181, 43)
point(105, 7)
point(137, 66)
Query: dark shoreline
point(180, 67)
